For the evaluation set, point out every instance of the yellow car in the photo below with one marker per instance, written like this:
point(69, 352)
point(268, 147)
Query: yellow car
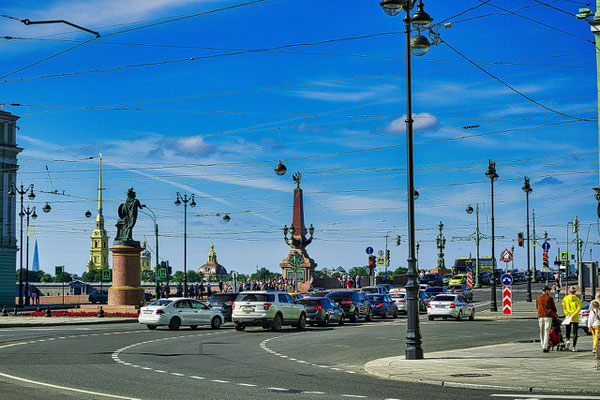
point(296, 296)
point(458, 279)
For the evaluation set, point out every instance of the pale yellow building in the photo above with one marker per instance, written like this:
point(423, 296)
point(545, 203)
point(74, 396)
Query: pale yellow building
point(99, 239)
point(145, 258)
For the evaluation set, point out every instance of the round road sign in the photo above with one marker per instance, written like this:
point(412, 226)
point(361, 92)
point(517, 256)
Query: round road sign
point(506, 279)
point(369, 250)
point(546, 246)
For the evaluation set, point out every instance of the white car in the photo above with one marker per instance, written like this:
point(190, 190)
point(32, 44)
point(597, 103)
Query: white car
point(176, 312)
point(400, 299)
point(450, 305)
point(267, 308)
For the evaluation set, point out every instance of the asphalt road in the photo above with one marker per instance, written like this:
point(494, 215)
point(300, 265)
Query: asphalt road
point(128, 361)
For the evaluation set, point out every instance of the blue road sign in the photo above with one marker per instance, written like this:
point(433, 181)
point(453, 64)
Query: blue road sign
point(369, 250)
point(546, 246)
point(506, 279)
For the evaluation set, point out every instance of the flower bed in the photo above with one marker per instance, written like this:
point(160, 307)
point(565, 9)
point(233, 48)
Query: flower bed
point(63, 313)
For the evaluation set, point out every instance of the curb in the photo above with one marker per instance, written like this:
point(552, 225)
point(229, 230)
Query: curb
point(475, 385)
point(499, 317)
point(34, 324)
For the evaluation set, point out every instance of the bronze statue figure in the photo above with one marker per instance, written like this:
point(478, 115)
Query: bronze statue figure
point(128, 213)
point(297, 177)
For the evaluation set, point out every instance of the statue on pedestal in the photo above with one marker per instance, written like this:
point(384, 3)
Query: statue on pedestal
point(128, 213)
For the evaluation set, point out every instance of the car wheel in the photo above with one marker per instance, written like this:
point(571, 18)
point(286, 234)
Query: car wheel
point(354, 317)
point(341, 321)
point(301, 322)
point(215, 323)
point(459, 317)
point(325, 321)
point(194, 327)
point(430, 317)
point(174, 324)
point(384, 315)
point(276, 324)
point(240, 327)
point(151, 327)
point(369, 316)
point(472, 316)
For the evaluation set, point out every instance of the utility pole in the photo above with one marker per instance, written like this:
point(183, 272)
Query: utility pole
point(441, 245)
point(512, 251)
point(534, 244)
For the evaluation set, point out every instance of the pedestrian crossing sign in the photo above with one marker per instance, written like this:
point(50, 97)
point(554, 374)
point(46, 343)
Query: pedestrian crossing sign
point(58, 270)
point(380, 260)
point(106, 274)
point(564, 256)
point(162, 273)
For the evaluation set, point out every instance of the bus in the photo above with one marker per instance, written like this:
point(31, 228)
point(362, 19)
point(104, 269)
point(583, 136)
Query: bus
point(461, 263)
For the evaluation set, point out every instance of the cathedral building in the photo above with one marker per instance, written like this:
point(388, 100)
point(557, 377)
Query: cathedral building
point(212, 270)
point(145, 258)
point(99, 239)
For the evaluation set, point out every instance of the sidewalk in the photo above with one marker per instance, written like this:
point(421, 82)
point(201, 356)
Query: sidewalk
point(508, 366)
point(520, 310)
point(16, 322)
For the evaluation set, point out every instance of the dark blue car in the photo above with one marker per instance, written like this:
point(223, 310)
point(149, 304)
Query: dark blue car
point(383, 305)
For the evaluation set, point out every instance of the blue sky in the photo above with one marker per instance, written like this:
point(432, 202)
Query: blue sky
point(203, 120)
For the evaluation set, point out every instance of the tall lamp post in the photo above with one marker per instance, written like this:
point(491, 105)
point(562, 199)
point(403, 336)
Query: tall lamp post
point(493, 176)
point(153, 217)
point(477, 238)
point(417, 45)
point(440, 242)
point(527, 189)
point(12, 191)
point(30, 212)
point(185, 199)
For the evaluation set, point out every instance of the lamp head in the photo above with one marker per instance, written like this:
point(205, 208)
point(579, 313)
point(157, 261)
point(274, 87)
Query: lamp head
point(33, 214)
point(280, 168)
point(193, 202)
point(526, 186)
point(88, 214)
point(491, 172)
point(285, 230)
point(419, 45)
point(11, 191)
point(31, 195)
point(416, 194)
point(421, 19)
point(311, 230)
point(469, 209)
point(46, 208)
point(393, 7)
point(226, 218)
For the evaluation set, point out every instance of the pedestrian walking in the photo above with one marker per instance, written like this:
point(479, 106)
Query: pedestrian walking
point(191, 292)
point(179, 290)
point(546, 309)
point(221, 286)
point(571, 306)
point(357, 280)
point(201, 289)
point(594, 323)
point(208, 291)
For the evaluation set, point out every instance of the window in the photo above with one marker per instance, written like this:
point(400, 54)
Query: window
point(258, 297)
point(161, 303)
point(444, 297)
point(290, 299)
point(182, 304)
point(199, 306)
point(283, 298)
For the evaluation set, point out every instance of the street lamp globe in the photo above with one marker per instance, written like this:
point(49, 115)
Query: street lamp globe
point(421, 19)
point(526, 186)
point(419, 45)
point(34, 214)
point(193, 203)
point(393, 7)
point(88, 214)
point(416, 194)
point(469, 209)
point(31, 195)
point(280, 168)
point(177, 202)
point(491, 172)
point(46, 208)
point(11, 191)
point(226, 218)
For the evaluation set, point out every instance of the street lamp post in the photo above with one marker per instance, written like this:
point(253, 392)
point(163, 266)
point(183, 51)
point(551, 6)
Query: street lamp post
point(440, 241)
point(12, 191)
point(417, 45)
point(527, 189)
point(153, 217)
point(30, 212)
point(185, 199)
point(387, 256)
point(477, 238)
point(493, 176)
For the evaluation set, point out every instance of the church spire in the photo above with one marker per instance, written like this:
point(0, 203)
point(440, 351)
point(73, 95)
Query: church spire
point(100, 217)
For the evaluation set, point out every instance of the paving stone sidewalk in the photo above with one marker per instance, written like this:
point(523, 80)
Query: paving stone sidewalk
point(509, 366)
point(15, 322)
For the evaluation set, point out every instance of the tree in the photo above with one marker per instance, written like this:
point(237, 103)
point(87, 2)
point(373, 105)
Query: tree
point(177, 277)
point(148, 276)
point(65, 277)
point(193, 276)
point(46, 278)
point(400, 271)
point(262, 273)
point(321, 274)
point(94, 275)
point(360, 271)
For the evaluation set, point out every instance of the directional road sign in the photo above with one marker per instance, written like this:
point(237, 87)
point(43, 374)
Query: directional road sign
point(506, 279)
point(59, 269)
point(106, 274)
point(380, 260)
point(369, 250)
point(564, 256)
point(506, 256)
point(507, 299)
point(546, 246)
point(162, 273)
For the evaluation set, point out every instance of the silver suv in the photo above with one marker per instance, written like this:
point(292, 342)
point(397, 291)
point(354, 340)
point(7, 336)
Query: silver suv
point(270, 309)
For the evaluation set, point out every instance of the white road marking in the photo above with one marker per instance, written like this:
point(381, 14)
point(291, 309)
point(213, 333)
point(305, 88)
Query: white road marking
point(157, 370)
point(355, 396)
point(113, 396)
point(278, 389)
point(219, 381)
point(246, 384)
point(197, 377)
point(177, 374)
point(312, 392)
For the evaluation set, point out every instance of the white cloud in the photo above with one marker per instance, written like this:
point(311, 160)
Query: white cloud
point(421, 121)
point(348, 93)
point(192, 144)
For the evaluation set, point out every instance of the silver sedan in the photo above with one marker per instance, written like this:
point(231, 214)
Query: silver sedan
point(176, 312)
point(449, 305)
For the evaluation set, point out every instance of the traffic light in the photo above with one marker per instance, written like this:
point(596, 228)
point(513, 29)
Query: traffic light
point(545, 258)
point(372, 261)
point(575, 225)
point(387, 258)
point(520, 239)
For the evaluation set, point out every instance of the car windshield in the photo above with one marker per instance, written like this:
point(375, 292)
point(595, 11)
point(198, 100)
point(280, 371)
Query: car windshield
point(375, 298)
point(310, 303)
point(434, 290)
point(222, 298)
point(370, 290)
point(455, 287)
point(340, 295)
point(399, 295)
point(444, 297)
point(430, 275)
point(258, 297)
point(161, 303)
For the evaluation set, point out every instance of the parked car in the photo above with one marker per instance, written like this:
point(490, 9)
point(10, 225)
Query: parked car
point(318, 293)
point(450, 305)
point(583, 318)
point(224, 303)
point(458, 279)
point(373, 290)
point(461, 289)
point(270, 309)
point(322, 311)
point(432, 279)
point(176, 312)
point(434, 291)
point(424, 286)
point(383, 305)
point(353, 303)
point(98, 296)
point(519, 277)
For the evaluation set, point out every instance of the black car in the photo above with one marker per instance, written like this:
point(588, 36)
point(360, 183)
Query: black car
point(322, 311)
point(98, 296)
point(383, 305)
point(148, 296)
point(224, 303)
point(353, 303)
point(434, 291)
point(432, 280)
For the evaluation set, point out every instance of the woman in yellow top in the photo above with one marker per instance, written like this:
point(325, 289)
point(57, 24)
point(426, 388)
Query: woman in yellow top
point(571, 306)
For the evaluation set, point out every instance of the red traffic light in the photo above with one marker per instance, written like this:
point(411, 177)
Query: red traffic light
point(520, 239)
point(372, 261)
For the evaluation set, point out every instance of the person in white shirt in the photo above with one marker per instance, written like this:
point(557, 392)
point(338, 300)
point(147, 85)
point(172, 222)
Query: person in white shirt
point(594, 322)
